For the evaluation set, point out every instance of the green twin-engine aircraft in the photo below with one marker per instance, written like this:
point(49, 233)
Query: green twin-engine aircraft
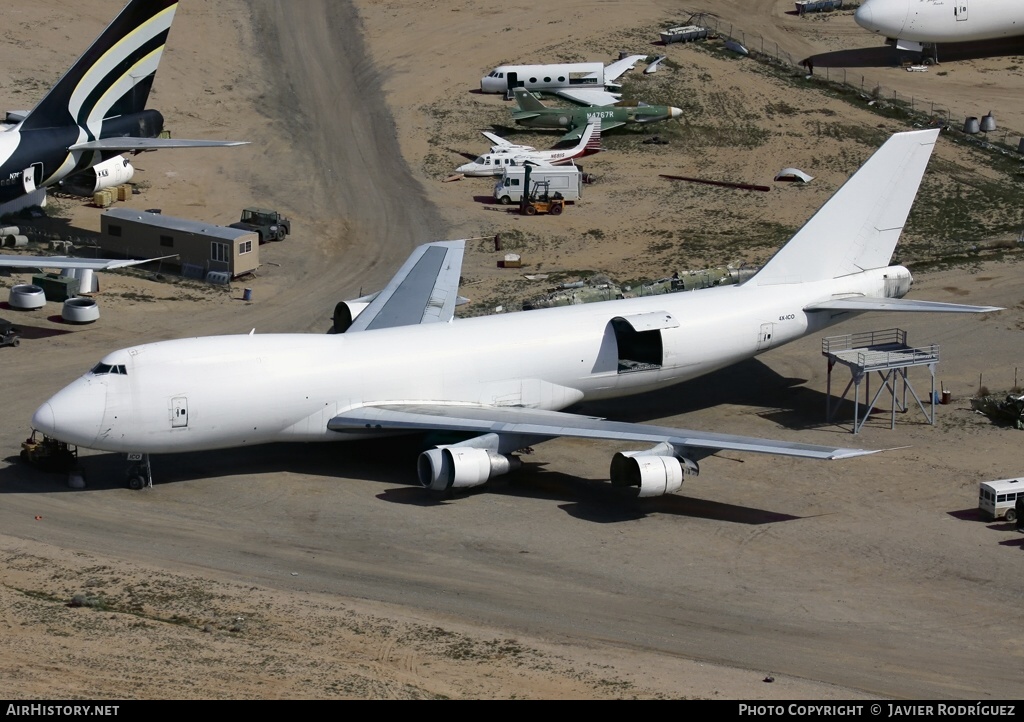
point(534, 114)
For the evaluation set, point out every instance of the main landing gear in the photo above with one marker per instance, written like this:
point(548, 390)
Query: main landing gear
point(140, 476)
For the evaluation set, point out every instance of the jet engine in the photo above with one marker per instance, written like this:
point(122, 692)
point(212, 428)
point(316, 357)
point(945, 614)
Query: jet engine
point(345, 312)
point(107, 174)
point(655, 472)
point(461, 467)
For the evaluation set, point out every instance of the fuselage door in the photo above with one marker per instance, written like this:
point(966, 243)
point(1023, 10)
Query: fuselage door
point(960, 10)
point(639, 340)
point(179, 412)
point(31, 176)
point(764, 338)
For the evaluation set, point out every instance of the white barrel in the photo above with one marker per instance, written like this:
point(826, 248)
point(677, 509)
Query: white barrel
point(80, 310)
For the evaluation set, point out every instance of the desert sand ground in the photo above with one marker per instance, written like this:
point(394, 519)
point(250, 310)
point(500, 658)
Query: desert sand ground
point(323, 571)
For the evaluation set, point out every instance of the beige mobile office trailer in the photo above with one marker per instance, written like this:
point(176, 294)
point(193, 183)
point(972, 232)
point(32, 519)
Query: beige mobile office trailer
point(198, 245)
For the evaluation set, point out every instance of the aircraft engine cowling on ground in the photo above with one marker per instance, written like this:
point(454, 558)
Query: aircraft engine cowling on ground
point(461, 467)
point(109, 173)
point(653, 472)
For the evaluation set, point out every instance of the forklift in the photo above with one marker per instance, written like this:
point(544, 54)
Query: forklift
point(532, 204)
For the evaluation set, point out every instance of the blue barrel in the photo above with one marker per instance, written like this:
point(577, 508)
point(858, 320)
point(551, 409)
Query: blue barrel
point(247, 294)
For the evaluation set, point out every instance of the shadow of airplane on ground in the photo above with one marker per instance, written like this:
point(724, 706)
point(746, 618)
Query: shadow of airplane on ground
point(886, 56)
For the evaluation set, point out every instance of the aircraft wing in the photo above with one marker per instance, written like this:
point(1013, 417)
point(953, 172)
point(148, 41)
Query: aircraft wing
point(504, 142)
point(864, 303)
point(127, 144)
point(588, 96)
point(425, 290)
point(66, 262)
point(550, 424)
point(615, 70)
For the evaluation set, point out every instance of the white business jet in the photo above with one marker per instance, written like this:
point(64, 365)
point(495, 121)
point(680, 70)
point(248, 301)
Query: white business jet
point(583, 83)
point(504, 154)
point(406, 365)
point(915, 25)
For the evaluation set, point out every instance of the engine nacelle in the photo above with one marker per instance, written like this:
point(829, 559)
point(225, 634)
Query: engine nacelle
point(109, 173)
point(345, 312)
point(655, 472)
point(462, 467)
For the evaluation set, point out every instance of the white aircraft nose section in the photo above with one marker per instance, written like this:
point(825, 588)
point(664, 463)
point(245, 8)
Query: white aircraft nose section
point(74, 414)
point(44, 420)
point(886, 18)
point(676, 112)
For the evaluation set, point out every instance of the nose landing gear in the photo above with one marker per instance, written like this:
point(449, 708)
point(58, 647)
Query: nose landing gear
point(140, 476)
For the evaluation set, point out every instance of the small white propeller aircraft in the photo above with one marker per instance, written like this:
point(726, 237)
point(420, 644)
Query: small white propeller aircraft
point(504, 154)
point(401, 363)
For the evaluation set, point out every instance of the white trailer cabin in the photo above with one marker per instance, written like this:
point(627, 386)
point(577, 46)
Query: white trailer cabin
point(564, 179)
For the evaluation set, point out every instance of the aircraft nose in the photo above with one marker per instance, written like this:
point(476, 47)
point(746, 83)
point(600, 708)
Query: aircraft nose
point(675, 112)
point(74, 414)
point(44, 420)
point(886, 18)
point(862, 16)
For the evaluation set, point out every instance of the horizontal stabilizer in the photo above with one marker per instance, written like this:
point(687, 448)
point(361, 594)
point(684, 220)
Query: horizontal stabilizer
point(551, 424)
point(121, 145)
point(897, 304)
point(66, 262)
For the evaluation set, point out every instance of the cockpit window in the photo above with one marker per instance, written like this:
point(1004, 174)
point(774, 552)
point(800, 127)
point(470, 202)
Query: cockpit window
point(102, 369)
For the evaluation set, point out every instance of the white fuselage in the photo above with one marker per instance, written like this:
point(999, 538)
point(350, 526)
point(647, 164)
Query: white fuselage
point(942, 21)
point(543, 77)
point(495, 163)
point(228, 391)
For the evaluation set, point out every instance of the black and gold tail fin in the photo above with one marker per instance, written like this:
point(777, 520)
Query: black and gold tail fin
point(114, 76)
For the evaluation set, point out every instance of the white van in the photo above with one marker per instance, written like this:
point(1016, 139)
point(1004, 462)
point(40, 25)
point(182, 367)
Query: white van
point(564, 179)
point(997, 498)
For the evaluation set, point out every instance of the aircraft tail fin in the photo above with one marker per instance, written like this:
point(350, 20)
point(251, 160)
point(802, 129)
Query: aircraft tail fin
point(858, 227)
point(592, 138)
point(114, 76)
point(527, 101)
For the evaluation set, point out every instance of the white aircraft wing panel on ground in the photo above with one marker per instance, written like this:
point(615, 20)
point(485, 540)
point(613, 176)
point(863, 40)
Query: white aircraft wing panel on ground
point(551, 424)
point(425, 290)
point(66, 262)
point(614, 71)
point(126, 144)
point(588, 96)
point(897, 304)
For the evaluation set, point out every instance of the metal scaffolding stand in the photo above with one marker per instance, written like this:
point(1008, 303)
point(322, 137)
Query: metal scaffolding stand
point(887, 353)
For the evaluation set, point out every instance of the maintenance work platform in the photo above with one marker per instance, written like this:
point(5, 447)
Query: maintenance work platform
point(887, 353)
